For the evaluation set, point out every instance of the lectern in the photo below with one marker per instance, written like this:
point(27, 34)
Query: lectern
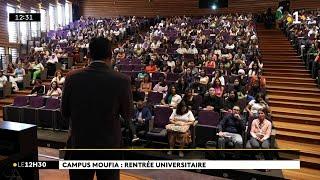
point(18, 143)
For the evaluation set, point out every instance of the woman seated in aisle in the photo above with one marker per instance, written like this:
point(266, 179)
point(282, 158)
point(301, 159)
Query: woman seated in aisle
point(178, 130)
point(54, 90)
point(172, 99)
point(260, 131)
point(146, 84)
point(254, 70)
point(58, 78)
point(257, 103)
point(161, 86)
point(37, 68)
point(38, 88)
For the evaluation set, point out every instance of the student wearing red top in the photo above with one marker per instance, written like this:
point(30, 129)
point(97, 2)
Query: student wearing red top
point(151, 68)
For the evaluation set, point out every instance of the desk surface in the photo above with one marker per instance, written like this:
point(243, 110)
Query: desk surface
point(15, 126)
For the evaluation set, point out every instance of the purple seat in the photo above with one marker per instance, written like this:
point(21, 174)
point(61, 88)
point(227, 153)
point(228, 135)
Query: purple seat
point(157, 131)
point(13, 112)
point(208, 70)
point(209, 118)
point(29, 113)
point(50, 116)
point(136, 61)
point(154, 98)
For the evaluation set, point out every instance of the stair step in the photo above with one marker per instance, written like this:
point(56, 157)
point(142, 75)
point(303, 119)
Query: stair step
point(298, 105)
point(290, 79)
point(300, 89)
point(302, 158)
point(286, 63)
point(296, 112)
point(292, 93)
point(296, 99)
point(287, 74)
point(285, 70)
point(302, 173)
point(298, 137)
point(279, 66)
point(292, 84)
point(311, 129)
point(303, 147)
point(295, 118)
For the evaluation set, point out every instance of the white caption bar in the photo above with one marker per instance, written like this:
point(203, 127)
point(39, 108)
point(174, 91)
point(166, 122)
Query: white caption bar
point(182, 164)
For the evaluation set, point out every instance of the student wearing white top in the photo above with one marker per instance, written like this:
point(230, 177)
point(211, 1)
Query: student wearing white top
point(256, 104)
point(58, 78)
point(3, 79)
point(54, 90)
point(178, 130)
point(193, 49)
point(182, 50)
point(172, 99)
point(161, 87)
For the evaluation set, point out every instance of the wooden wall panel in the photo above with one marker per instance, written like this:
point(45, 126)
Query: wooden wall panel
point(103, 8)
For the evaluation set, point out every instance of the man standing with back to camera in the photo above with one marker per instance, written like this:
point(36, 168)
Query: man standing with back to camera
point(93, 98)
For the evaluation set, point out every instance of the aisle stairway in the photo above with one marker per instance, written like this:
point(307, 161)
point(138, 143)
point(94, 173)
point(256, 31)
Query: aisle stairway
point(294, 100)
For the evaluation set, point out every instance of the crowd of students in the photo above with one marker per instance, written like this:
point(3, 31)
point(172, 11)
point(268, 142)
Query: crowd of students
point(305, 36)
point(210, 63)
point(215, 58)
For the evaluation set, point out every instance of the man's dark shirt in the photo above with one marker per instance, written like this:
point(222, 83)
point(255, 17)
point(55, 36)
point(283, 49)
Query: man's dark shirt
point(231, 124)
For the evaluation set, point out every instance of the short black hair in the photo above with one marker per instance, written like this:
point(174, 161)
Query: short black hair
point(100, 49)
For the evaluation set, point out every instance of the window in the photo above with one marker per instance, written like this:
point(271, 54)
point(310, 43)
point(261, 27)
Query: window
point(2, 56)
point(51, 17)
point(68, 12)
point(34, 26)
point(43, 20)
point(14, 54)
point(12, 26)
point(23, 26)
point(60, 15)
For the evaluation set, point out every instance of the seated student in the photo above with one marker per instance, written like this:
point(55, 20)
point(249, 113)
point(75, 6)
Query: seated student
point(161, 86)
point(146, 85)
point(188, 98)
point(172, 99)
point(19, 73)
point(212, 102)
point(3, 81)
point(38, 68)
point(257, 103)
point(230, 129)
point(181, 85)
point(230, 101)
point(136, 95)
point(151, 68)
point(142, 115)
point(260, 131)
point(121, 55)
point(197, 87)
point(58, 78)
point(219, 89)
point(38, 88)
point(178, 129)
point(54, 90)
point(204, 79)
